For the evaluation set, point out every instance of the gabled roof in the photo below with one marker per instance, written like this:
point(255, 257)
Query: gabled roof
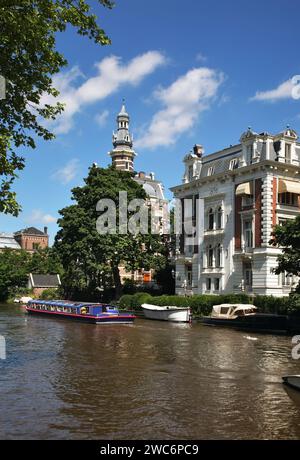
point(44, 281)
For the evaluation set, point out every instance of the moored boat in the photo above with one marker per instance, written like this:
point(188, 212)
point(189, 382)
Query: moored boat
point(168, 313)
point(292, 380)
point(95, 313)
point(246, 317)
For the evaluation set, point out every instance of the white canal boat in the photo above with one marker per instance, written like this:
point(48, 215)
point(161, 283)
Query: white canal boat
point(169, 313)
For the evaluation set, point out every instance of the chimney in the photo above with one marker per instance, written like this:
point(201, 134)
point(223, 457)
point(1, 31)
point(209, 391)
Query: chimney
point(46, 230)
point(198, 150)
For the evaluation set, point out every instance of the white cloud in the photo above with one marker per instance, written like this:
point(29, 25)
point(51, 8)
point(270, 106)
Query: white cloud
point(183, 102)
point(201, 58)
point(111, 75)
point(101, 118)
point(37, 216)
point(67, 172)
point(283, 91)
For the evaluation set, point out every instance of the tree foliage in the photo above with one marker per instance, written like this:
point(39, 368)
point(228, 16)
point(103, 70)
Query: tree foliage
point(15, 266)
point(28, 60)
point(287, 237)
point(91, 261)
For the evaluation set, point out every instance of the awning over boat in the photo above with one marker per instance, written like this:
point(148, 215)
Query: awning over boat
point(288, 186)
point(243, 189)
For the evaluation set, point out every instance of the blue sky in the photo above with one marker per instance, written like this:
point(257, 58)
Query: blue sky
point(191, 72)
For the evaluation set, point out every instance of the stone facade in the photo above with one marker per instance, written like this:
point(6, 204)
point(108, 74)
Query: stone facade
point(237, 195)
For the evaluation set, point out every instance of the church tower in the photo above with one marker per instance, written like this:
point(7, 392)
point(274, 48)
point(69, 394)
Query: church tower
point(123, 154)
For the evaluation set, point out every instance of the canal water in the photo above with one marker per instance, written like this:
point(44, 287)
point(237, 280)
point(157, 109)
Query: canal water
point(150, 380)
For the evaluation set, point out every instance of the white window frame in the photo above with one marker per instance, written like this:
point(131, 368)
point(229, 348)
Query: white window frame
point(210, 171)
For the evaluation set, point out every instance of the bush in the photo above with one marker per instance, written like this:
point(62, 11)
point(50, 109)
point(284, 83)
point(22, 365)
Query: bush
point(271, 304)
point(50, 294)
point(134, 302)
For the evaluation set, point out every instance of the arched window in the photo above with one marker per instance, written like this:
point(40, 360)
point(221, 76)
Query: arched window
point(210, 256)
point(219, 217)
point(211, 219)
point(219, 256)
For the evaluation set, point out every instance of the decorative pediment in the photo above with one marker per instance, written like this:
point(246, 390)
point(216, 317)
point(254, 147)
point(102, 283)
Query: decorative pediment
point(248, 135)
point(291, 133)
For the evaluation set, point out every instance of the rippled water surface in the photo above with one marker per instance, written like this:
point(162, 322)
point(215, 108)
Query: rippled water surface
point(150, 380)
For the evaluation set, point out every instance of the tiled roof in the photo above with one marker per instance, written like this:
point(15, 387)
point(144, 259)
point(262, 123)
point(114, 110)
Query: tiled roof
point(44, 281)
point(30, 231)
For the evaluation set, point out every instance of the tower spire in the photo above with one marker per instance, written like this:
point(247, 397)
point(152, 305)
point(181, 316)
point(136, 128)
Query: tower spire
point(123, 154)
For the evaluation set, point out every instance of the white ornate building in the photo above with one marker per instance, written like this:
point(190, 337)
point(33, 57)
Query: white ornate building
point(233, 198)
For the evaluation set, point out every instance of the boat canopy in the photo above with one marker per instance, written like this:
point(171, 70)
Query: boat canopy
point(62, 303)
point(227, 310)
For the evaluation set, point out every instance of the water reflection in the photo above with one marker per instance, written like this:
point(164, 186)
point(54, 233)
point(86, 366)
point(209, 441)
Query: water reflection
point(149, 380)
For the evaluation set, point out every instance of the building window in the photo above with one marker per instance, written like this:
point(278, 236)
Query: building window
point(189, 275)
point(248, 234)
point(191, 173)
point(211, 171)
point(35, 246)
point(217, 284)
point(287, 279)
point(219, 217)
point(249, 154)
point(208, 284)
point(247, 200)
point(282, 221)
point(126, 165)
point(233, 164)
point(288, 199)
point(210, 256)
point(248, 275)
point(211, 219)
point(288, 153)
point(219, 256)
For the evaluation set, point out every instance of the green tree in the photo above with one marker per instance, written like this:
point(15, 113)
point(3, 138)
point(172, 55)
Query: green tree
point(28, 60)
point(13, 271)
point(15, 266)
point(287, 237)
point(90, 260)
point(45, 261)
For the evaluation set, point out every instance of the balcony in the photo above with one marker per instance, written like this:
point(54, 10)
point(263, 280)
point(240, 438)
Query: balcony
point(214, 232)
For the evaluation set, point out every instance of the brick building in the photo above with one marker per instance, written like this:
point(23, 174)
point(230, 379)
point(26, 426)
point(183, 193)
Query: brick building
point(232, 199)
point(30, 239)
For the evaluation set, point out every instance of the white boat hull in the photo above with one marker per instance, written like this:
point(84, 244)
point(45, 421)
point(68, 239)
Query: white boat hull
point(180, 315)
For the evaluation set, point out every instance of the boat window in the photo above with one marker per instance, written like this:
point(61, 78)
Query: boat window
point(104, 309)
point(224, 310)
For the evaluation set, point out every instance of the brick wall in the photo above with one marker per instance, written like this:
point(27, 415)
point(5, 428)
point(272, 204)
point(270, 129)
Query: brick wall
point(28, 242)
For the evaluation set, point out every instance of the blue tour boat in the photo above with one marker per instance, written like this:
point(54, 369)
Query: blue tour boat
point(95, 313)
